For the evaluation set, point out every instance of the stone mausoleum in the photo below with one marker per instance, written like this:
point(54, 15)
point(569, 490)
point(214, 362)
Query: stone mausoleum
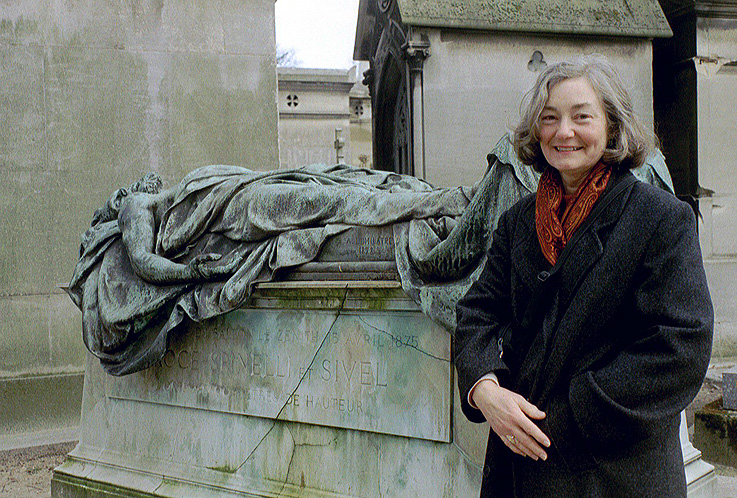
point(324, 117)
point(696, 118)
point(447, 79)
point(93, 95)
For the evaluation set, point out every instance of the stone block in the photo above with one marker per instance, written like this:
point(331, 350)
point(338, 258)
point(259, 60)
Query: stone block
point(24, 335)
point(40, 335)
point(93, 95)
point(222, 110)
point(22, 127)
point(387, 373)
point(265, 402)
point(715, 434)
point(97, 102)
point(37, 403)
point(23, 23)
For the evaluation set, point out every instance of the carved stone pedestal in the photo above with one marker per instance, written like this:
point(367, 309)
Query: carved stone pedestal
point(339, 389)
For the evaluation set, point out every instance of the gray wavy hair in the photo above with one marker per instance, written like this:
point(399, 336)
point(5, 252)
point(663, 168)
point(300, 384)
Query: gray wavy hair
point(629, 142)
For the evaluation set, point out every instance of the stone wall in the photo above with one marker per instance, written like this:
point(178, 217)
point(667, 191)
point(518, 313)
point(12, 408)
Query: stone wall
point(716, 90)
point(92, 95)
point(473, 84)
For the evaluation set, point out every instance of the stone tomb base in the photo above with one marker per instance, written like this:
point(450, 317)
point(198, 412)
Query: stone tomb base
point(340, 389)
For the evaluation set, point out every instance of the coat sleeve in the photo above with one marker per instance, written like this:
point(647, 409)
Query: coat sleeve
point(656, 374)
point(481, 314)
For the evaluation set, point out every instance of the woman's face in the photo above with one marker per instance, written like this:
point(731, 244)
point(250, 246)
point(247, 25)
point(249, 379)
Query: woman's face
point(573, 130)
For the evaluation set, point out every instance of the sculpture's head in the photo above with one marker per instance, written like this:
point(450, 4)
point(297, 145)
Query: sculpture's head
point(628, 142)
point(150, 183)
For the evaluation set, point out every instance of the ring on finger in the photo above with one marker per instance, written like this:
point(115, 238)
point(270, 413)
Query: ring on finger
point(511, 439)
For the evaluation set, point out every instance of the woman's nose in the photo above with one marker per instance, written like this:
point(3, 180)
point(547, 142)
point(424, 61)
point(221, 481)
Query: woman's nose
point(565, 130)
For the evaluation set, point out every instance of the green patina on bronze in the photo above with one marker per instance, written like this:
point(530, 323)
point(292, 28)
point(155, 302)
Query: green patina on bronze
point(635, 18)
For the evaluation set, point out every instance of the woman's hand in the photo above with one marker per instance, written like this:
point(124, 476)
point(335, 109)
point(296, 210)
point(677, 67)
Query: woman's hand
point(510, 417)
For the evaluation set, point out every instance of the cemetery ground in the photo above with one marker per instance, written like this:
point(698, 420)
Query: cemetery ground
point(26, 472)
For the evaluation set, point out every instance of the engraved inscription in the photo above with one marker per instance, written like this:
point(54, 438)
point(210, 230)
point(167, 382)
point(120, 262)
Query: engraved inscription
point(384, 373)
point(360, 244)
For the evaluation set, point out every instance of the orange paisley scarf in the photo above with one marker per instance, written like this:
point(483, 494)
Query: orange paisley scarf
point(557, 216)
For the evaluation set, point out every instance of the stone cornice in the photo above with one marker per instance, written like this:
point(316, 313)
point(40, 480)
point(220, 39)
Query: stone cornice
point(631, 18)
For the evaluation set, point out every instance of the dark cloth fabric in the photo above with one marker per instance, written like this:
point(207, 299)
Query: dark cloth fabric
point(612, 343)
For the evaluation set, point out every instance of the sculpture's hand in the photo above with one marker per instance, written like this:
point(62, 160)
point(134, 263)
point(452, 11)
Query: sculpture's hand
point(201, 270)
point(509, 416)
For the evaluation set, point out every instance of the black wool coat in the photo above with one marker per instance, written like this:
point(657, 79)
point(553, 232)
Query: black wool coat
point(612, 343)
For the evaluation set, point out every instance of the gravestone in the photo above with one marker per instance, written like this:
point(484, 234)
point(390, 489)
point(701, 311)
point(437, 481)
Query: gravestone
point(336, 389)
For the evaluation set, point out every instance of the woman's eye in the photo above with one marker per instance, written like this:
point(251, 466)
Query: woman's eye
point(582, 117)
point(547, 119)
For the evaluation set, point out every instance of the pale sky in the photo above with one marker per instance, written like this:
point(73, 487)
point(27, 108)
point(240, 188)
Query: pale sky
point(321, 32)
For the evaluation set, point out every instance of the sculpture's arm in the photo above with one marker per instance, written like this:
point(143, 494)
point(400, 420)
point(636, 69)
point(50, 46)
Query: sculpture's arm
point(138, 227)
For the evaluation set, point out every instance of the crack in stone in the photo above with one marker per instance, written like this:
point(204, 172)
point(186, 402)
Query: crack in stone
point(378, 471)
point(299, 383)
point(467, 458)
point(294, 452)
point(399, 339)
point(315, 445)
point(163, 480)
point(291, 459)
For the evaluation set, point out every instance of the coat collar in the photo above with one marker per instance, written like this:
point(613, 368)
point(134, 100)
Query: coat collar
point(587, 244)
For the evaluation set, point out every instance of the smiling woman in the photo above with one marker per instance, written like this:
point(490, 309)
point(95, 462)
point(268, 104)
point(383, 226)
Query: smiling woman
point(628, 141)
point(573, 130)
point(589, 329)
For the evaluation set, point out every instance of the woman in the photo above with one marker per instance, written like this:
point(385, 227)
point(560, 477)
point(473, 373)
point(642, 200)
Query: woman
point(589, 330)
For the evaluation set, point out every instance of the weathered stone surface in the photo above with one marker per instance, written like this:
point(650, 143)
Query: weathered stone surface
point(729, 387)
point(613, 17)
point(360, 244)
point(92, 94)
point(189, 443)
point(222, 110)
point(40, 402)
point(359, 253)
point(379, 372)
point(23, 134)
point(715, 433)
point(42, 346)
